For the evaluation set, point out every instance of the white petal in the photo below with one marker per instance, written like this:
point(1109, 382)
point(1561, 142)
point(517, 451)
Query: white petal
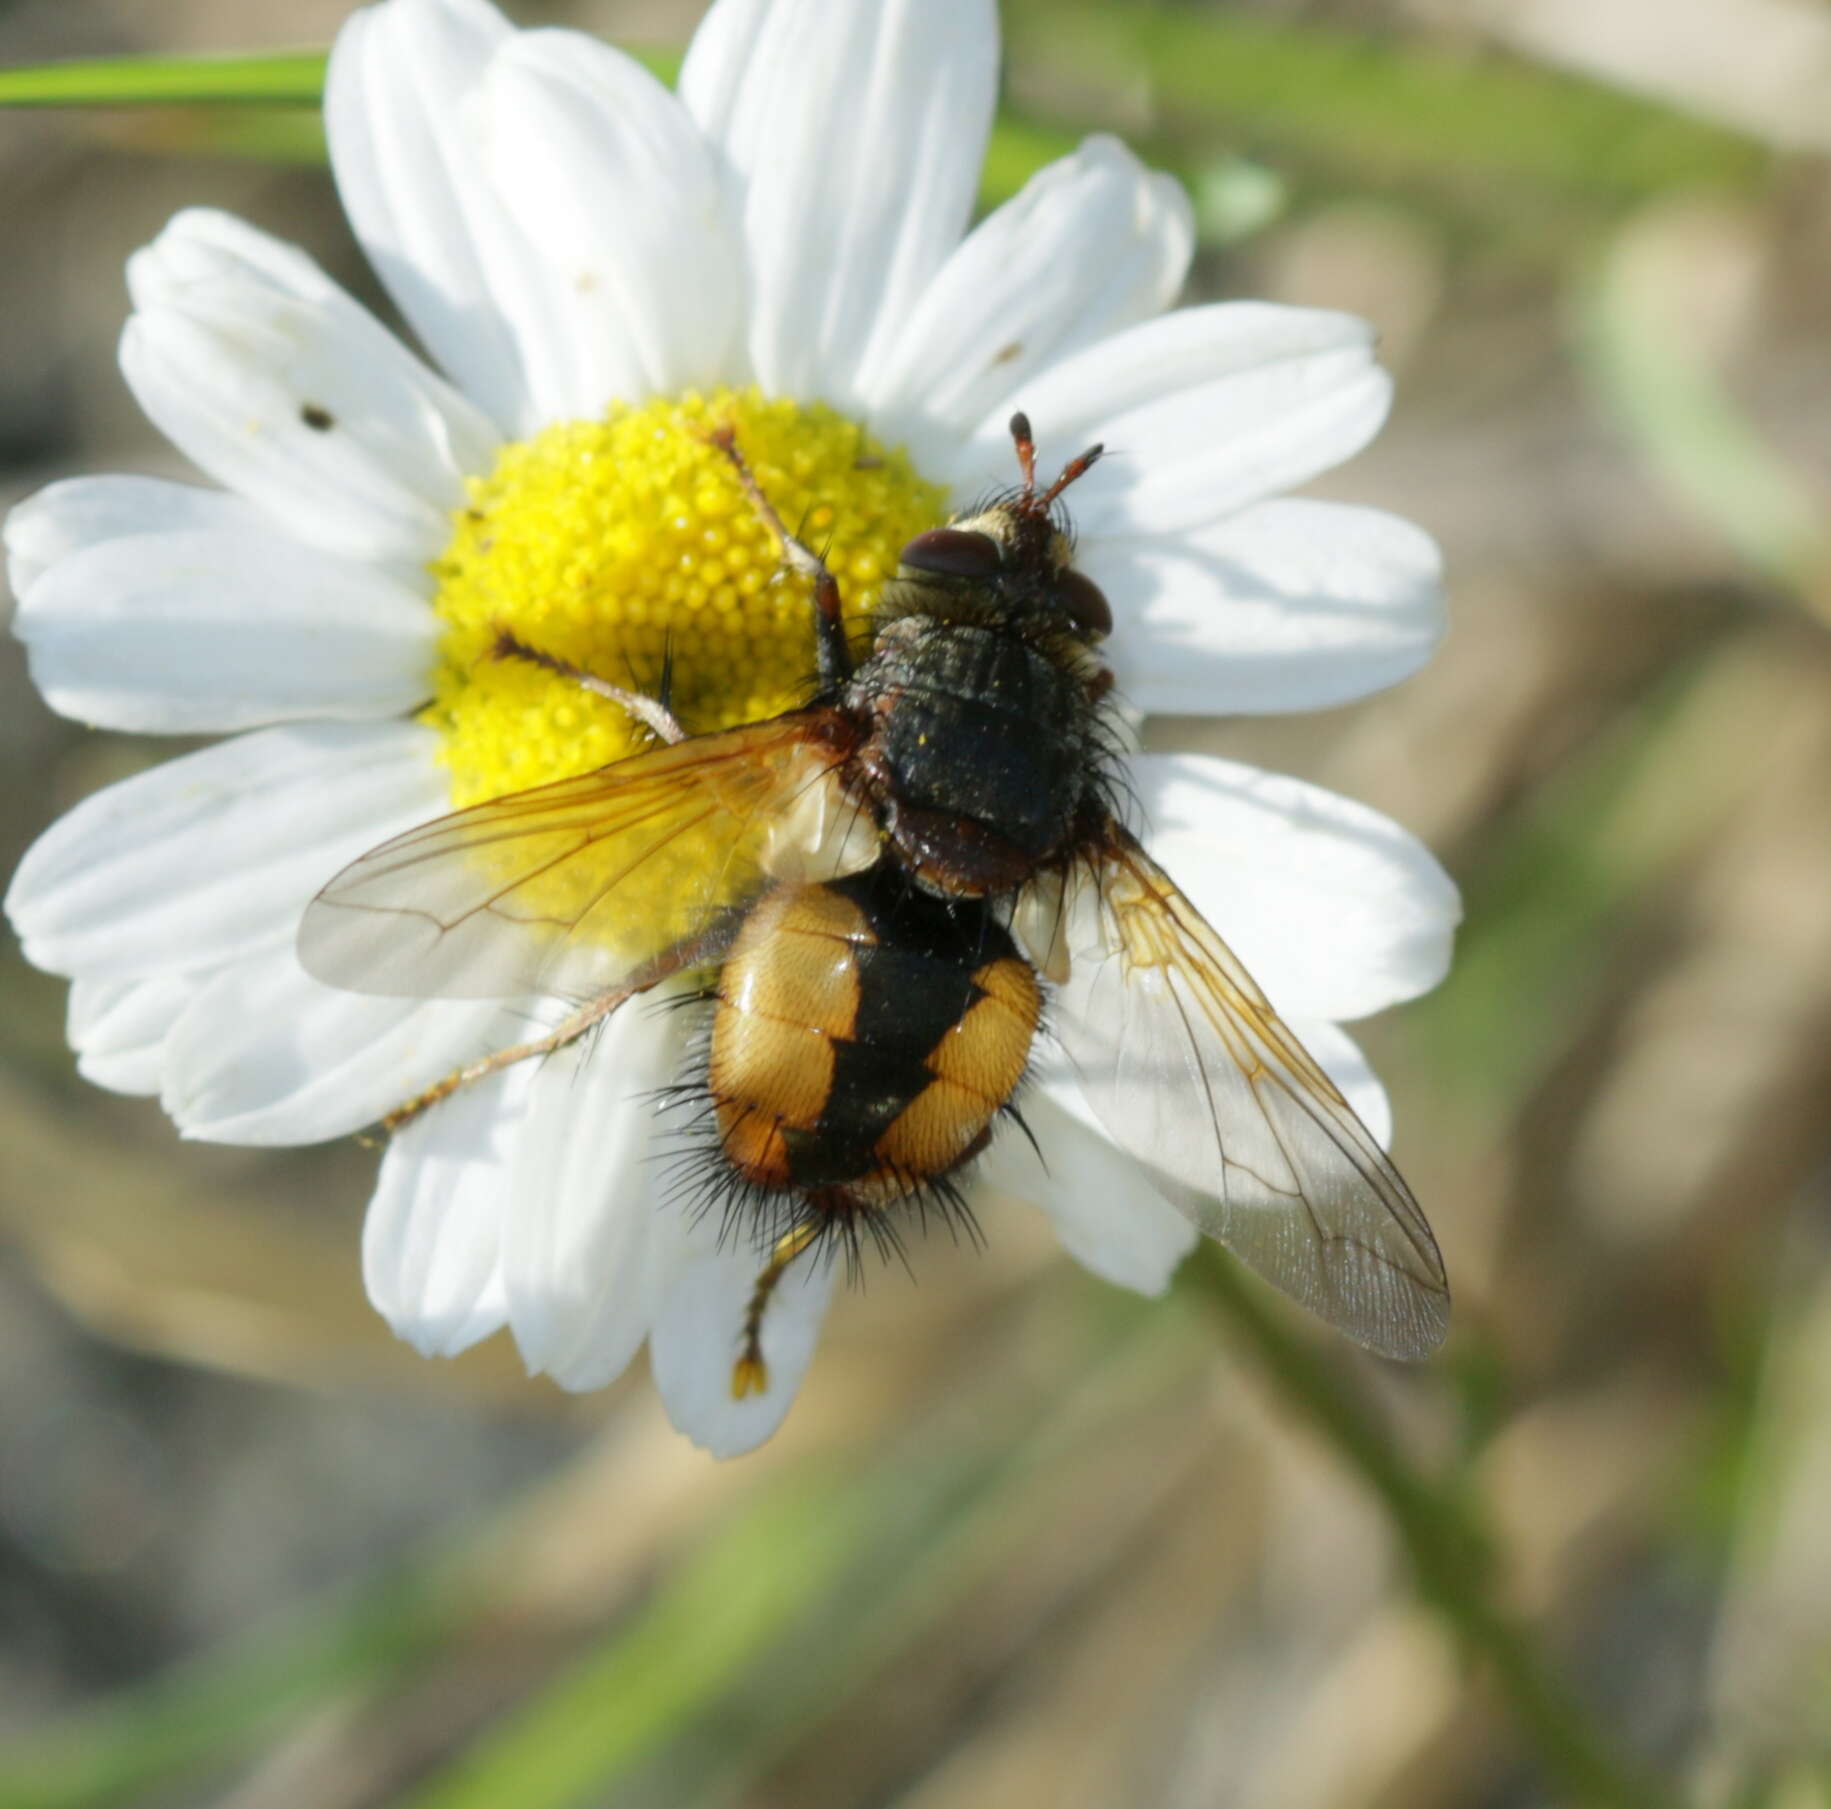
point(410, 180)
point(265, 1055)
point(1109, 1217)
point(65, 517)
point(1201, 411)
point(213, 855)
point(856, 134)
point(1333, 908)
point(1093, 244)
point(604, 166)
point(1340, 1057)
point(269, 377)
point(698, 1334)
point(577, 1258)
point(220, 627)
point(1289, 605)
point(118, 1030)
point(432, 1241)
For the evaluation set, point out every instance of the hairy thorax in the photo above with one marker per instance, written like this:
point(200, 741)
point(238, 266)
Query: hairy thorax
point(980, 746)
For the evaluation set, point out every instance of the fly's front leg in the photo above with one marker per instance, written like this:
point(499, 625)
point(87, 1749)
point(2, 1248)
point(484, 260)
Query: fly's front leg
point(651, 711)
point(833, 654)
point(690, 952)
point(750, 1374)
point(568, 1030)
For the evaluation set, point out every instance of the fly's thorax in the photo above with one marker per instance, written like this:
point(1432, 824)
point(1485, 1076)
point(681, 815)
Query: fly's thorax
point(981, 750)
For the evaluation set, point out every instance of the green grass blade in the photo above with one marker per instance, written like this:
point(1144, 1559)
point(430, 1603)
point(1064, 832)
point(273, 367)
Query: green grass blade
point(811, 1590)
point(1660, 386)
point(1556, 897)
point(237, 102)
point(292, 136)
point(287, 79)
point(215, 1709)
point(717, 1615)
point(1374, 109)
point(1448, 1543)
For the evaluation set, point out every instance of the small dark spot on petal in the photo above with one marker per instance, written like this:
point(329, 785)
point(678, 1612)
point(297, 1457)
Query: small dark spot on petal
point(1009, 352)
point(319, 420)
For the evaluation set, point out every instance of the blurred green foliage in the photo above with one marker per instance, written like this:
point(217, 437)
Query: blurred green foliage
point(1343, 109)
point(1383, 110)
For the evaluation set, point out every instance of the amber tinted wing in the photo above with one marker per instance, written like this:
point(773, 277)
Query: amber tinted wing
point(1190, 1069)
point(572, 887)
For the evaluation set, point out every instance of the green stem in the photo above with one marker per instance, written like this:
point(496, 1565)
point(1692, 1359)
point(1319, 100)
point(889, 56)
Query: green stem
point(1448, 1549)
point(283, 79)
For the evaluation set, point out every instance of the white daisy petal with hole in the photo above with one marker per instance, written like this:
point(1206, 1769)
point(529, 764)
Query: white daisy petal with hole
point(432, 1239)
point(269, 377)
point(599, 159)
point(1093, 244)
point(1334, 909)
point(213, 856)
point(855, 133)
point(698, 1333)
point(1289, 605)
point(585, 1197)
point(409, 180)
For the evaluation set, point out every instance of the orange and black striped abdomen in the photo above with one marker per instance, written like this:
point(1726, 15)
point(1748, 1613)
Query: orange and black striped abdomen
point(865, 1038)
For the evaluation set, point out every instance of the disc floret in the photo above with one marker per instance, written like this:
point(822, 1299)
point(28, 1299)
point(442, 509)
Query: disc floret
point(625, 546)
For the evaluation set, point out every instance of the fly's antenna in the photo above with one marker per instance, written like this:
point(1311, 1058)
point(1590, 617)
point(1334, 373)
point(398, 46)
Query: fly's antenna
point(1026, 451)
point(1073, 469)
point(1025, 442)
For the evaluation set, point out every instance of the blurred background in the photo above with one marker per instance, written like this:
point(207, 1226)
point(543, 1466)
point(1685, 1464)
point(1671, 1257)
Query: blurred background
point(1025, 1540)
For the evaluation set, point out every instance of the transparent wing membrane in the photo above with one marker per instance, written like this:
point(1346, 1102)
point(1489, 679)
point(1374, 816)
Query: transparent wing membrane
point(573, 887)
point(1190, 1069)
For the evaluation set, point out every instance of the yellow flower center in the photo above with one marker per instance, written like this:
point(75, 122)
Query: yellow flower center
point(619, 543)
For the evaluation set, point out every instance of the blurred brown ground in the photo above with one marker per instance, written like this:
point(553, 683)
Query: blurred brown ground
point(1616, 1112)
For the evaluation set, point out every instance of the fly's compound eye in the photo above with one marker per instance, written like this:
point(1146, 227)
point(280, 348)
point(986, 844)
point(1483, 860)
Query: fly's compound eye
point(1086, 604)
point(953, 553)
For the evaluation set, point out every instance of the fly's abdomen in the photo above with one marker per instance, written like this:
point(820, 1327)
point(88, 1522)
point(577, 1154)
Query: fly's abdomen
point(865, 1038)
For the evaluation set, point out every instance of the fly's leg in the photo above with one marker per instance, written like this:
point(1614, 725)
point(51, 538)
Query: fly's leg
point(651, 711)
point(833, 653)
point(750, 1374)
point(691, 952)
point(568, 1030)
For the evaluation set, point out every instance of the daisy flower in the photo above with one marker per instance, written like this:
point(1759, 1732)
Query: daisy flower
point(598, 269)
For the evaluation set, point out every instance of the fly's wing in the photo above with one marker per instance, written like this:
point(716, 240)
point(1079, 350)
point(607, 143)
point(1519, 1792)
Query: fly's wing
point(1191, 1071)
point(578, 886)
